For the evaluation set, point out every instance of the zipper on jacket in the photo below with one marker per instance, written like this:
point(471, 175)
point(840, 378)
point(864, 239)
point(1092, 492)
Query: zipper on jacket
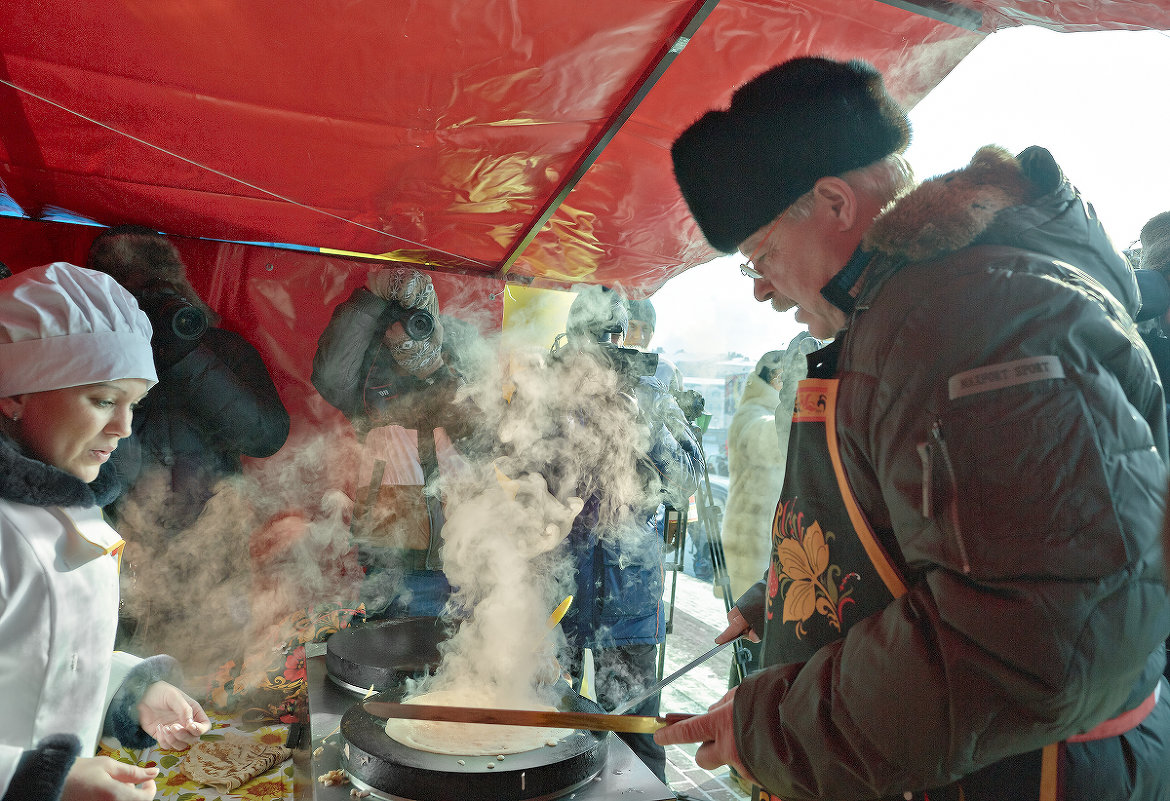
point(927, 479)
point(937, 437)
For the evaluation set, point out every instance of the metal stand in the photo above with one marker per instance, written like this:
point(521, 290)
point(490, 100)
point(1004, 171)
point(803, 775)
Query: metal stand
point(712, 519)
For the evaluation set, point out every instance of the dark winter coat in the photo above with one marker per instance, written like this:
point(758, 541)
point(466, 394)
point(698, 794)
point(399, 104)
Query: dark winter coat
point(619, 581)
point(1036, 607)
point(356, 374)
point(211, 407)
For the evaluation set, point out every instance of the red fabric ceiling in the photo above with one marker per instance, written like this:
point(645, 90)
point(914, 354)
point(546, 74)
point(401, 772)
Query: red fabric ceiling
point(479, 136)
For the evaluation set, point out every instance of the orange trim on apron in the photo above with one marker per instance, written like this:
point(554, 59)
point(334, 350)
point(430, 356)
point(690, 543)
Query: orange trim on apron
point(877, 554)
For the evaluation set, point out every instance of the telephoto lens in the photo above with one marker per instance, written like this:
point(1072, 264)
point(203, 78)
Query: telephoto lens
point(171, 312)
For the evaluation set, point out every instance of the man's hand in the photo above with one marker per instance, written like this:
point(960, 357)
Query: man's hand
point(715, 730)
point(737, 626)
point(171, 716)
point(104, 779)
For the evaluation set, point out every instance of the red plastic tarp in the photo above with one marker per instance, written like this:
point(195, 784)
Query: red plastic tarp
point(481, 136)
point(487, 140)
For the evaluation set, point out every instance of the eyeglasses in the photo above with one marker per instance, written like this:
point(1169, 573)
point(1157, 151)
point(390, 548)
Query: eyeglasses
point(748, 268)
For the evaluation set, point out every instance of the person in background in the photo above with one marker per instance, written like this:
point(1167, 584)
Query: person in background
point(617, 611)
point(757, 444)
point(966, 594)
point(392, 364)
point(215, 402)
point(1153, 277)
point(642, 322)
point(75, 360)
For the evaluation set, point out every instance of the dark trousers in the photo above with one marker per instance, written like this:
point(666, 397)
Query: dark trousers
point(620, 673)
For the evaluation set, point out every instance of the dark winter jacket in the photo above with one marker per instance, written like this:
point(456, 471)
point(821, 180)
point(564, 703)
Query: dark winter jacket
point(211, 407)
point(41, 769)
point(1025, 513)
point(356, 374)
point(619, 580)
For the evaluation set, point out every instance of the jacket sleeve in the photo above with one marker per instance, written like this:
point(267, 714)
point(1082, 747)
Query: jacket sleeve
point(41, 771)
point(228, 391)
point(122, 712)
point(674, 451)
point(1035, 609)
point(341, 351)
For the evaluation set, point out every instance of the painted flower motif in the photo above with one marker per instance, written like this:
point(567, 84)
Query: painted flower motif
point(809, 580)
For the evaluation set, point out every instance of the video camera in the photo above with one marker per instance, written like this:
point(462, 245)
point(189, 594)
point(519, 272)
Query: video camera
point(171, 313)
point(630, 363)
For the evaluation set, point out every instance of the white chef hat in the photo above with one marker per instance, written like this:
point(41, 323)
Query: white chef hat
point(66, 326)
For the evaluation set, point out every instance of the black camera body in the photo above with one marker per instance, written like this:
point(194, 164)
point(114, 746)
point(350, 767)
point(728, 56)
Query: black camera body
point(630, 362)
point(171, 314)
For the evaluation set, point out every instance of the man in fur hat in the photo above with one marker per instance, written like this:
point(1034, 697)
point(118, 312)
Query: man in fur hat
point(965, 597)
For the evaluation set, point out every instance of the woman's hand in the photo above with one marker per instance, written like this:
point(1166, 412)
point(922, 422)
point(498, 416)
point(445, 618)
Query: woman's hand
point(104, 779)
point(171, 716)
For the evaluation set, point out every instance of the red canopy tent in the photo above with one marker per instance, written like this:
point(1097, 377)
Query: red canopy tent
point(489, 141)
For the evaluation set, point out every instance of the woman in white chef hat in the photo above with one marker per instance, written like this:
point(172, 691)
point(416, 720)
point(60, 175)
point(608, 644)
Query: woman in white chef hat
point(75, 358)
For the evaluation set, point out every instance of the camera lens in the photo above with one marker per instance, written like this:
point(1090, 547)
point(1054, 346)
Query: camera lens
point(188, 322)
point(419, 325)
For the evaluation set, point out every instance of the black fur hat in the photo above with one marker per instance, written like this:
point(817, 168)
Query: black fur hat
point(785, 129)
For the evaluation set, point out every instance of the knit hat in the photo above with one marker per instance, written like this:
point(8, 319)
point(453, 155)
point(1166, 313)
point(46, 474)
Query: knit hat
point(597, 312)
point(66, 326)
point(787, 128)
point(1156, 242)
point(642, 310)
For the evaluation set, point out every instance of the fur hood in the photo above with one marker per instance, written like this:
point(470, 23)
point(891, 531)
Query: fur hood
point(1020, 201)
point(29, 481)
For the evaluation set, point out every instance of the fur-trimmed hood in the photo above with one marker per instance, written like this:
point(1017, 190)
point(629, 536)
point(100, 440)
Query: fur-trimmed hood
point(29, 481)
point(1021, 201)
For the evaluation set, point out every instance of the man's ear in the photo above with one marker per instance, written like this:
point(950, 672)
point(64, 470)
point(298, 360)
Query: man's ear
point(837, 198)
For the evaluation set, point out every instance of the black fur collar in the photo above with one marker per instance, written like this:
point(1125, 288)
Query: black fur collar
point(26, 480)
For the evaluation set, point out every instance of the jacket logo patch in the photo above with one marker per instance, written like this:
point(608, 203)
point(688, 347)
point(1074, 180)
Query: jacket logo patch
point(1006, 374)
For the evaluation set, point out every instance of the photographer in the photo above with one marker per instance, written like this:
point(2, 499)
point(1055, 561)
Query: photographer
point(625, 414)
point(392, 365)
point(215, 402)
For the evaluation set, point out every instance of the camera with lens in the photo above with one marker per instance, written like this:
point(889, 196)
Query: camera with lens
point(630, 362)
point(418, 323)
point(171, 314)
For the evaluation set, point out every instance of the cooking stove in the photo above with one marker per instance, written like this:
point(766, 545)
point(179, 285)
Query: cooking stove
point(585, 766)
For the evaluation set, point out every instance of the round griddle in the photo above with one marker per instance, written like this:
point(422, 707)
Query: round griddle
point(382, 654)
point(386, 765)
